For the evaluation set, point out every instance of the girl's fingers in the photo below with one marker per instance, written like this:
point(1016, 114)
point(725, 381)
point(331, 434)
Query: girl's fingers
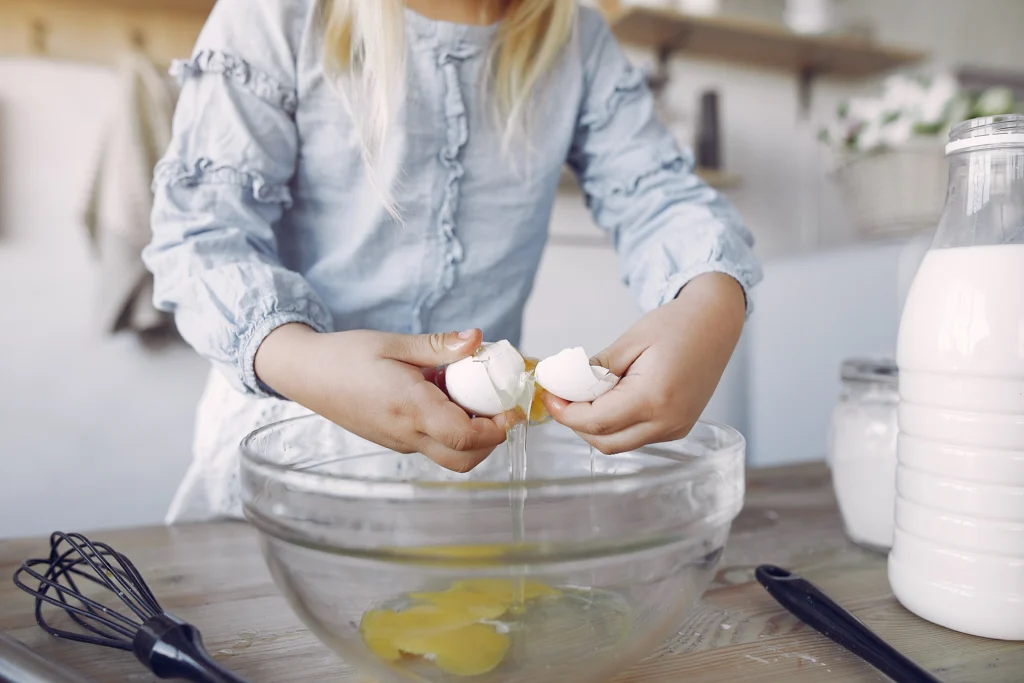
point(436, 376)
point(619, 409)
point(429, 350)
point(625, 441)
point(451, 459)
point(621, 355)
point(447, 435)
point(448, 424)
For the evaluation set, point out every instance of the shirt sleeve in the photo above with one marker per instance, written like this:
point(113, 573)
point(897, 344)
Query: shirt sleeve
point(639, 184)
point(223, 184)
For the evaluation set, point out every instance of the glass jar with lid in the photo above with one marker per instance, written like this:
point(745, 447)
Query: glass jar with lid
point(862, 450)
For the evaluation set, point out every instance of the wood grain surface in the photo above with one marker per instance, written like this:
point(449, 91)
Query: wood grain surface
point(214, 576)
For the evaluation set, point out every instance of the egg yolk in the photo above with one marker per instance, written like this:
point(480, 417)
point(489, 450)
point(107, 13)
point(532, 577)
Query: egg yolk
point(447, 625)
point(538, 413)
point(470, 651)
point(479, 606)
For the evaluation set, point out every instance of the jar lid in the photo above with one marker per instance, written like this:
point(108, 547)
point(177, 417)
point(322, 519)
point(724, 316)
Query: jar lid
point(882, 370)
point(1005, 130)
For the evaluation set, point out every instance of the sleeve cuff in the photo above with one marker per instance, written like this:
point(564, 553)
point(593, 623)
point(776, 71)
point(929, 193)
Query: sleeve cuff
point(312, 315)
point(675, 283)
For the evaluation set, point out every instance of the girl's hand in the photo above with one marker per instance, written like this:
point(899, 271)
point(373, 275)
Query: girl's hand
point(670, 363)
point(379, 386)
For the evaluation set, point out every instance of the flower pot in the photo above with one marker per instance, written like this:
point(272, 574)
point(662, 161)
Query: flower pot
point(895, 192)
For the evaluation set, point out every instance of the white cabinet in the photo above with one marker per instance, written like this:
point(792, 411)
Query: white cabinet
point(812, 312)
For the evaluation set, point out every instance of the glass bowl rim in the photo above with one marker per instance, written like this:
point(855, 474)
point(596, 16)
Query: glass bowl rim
point(348, 486)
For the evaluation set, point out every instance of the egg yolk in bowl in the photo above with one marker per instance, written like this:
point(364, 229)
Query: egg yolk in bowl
point(459, 629)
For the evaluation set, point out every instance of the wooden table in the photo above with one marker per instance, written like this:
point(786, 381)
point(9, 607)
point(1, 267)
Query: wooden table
point(214, 576)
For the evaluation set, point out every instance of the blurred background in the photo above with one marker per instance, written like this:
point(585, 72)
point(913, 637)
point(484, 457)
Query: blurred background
point(823, 120)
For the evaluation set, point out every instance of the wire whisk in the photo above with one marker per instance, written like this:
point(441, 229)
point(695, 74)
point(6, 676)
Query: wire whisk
point(166, 645)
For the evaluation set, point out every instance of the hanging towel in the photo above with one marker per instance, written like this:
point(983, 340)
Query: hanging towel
point(117, 214)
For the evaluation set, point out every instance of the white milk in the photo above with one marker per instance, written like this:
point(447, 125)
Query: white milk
point(958, 553)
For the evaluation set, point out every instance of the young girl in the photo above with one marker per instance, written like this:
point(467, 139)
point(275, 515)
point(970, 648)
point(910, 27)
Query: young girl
point(351, 179)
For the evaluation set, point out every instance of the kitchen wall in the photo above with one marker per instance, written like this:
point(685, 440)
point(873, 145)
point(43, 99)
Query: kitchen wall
point(96, 430)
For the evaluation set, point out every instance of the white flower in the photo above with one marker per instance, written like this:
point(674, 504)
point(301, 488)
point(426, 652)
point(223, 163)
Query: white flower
point(901, 94)
point(870, 137)
point(868, 110)
point(897, 133)
point(940, 94)
point(907, 106)
point(959, 109)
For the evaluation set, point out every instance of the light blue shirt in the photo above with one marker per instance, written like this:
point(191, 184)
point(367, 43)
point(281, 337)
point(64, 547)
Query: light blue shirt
point(264, 214)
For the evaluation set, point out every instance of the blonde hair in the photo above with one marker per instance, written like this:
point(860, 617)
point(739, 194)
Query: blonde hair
point(367, 39)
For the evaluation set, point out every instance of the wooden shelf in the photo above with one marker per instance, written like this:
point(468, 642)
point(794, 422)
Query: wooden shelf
point(752, 43)
point(202, 7)
point(720, 180)
point(100, 31)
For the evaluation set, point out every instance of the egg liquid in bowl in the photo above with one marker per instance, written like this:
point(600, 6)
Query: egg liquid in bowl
point(414, 573)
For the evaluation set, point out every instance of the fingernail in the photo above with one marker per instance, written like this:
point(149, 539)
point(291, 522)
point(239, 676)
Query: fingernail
point(459, 341)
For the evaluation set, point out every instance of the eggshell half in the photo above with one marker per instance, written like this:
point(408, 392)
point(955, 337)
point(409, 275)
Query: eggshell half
point(470, 386)
point(570, 376)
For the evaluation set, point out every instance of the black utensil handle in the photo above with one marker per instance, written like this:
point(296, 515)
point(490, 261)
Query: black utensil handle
point(803, 599)
point(172, 648)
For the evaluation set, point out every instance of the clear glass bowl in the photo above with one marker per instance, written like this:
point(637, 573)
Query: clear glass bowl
point(623, 546)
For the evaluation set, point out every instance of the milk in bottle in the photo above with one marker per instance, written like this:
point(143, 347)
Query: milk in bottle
point(958, 550)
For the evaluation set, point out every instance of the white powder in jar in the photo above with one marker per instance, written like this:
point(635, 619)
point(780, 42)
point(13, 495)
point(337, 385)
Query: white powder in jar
point(862, 453)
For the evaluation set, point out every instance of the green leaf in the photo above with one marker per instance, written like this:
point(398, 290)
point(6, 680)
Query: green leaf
point(928, 129)
point(960, 109)
point(995, 101)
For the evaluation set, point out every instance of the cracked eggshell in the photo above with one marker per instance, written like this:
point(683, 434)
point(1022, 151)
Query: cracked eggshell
point(570, 376)
point(470, 386)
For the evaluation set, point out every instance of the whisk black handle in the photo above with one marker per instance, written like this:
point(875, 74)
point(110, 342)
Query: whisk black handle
point(171, 648)
point(806, 602)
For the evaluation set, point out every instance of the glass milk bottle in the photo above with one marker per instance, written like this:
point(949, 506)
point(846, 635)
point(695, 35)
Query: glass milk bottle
point(958, 550)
